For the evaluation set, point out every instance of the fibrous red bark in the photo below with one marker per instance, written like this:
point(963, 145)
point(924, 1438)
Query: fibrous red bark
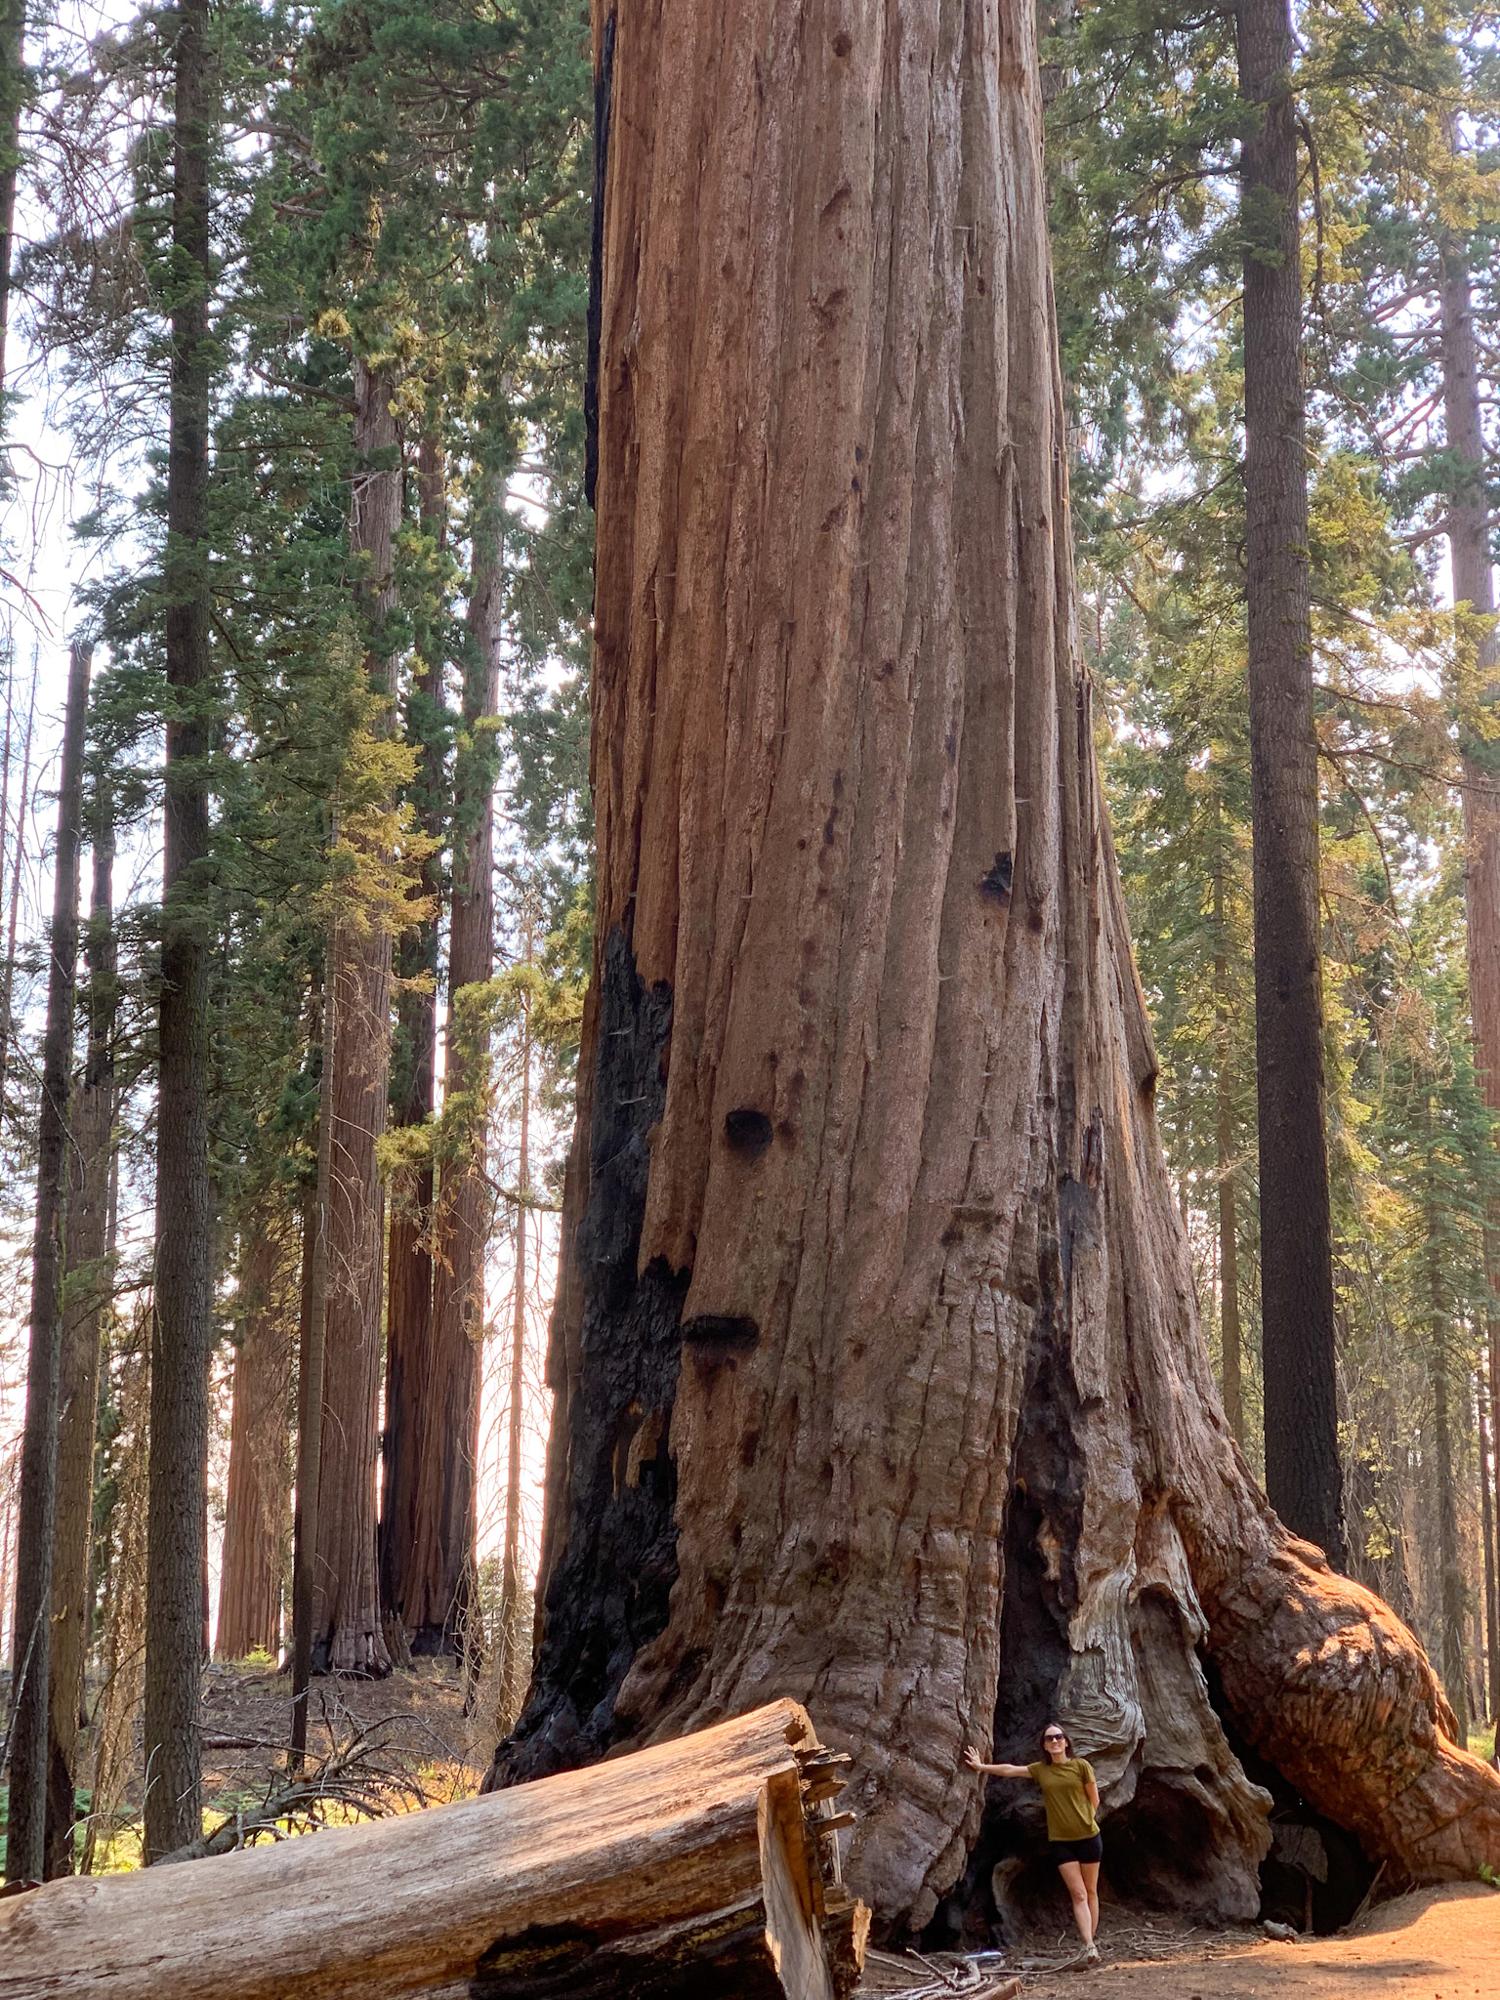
point(878, 1372)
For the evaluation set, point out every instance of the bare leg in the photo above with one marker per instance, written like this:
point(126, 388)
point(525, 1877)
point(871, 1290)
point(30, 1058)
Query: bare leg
point(1090, 1873)
point(1083, 1917)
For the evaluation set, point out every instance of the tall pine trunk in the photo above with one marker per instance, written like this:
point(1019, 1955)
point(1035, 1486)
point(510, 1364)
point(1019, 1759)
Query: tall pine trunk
point(86, 1314)
point(181, 1332)
point(1490, 1530)
point(18, 869)
point(12, 102)
point(406, 1589)
point(31, 1642)
point(877, 1369)
point(447, 1502)
point(1231, 1339)
point(259, 1502)
point(1474, 586)
point(1298, 1342)
point(1452, 1596)
point(311, 1348)
point(513, 1648)
point(346, 1626)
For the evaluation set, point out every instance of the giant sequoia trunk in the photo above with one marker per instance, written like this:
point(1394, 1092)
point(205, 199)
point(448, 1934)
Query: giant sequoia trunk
point(879, 1380)
point(346, 1628)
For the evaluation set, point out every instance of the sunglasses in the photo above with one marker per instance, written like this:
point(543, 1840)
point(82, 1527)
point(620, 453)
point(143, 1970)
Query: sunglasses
point(1054, 1736)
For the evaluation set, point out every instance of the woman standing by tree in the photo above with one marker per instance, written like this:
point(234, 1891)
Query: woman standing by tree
point(1070, 1793)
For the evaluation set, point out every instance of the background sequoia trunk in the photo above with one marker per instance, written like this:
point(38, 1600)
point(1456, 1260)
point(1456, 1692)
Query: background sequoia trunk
point(879, 1378)
point(258, 1510)
point(346, 1627)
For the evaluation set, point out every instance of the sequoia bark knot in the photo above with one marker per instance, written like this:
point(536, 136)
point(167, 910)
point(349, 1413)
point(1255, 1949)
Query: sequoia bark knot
point(878, 1373)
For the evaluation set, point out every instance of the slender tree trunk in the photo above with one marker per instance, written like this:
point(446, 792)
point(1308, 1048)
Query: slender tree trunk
point(12, 101)
point(878, 1375)
point(1474, 586)
point(176, 1532)
point(1297, 1318)
point(8, 971)
point(1230, 1337)
point(123, 1613)
point(446, 1519)
point(258, 1509)
point(347, 1636)
point(1452, 1597)
point(1489, 1454)
point(311, 1348)
point(404, 1590)
point(31, 1647)
point(10, 689)
point(513, 1593)
point(86, 1314)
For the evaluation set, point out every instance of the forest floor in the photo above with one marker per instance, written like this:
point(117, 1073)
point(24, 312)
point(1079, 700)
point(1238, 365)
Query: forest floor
point(406, 1741)
point(1432, 1944)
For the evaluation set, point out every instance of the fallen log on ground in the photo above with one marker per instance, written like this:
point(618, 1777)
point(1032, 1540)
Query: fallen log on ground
point(694, 1866)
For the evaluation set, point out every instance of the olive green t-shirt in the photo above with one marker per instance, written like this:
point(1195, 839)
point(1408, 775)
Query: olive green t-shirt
point(1069, 1814)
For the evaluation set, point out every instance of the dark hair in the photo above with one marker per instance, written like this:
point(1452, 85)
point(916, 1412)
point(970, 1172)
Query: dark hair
point(1067, 1739)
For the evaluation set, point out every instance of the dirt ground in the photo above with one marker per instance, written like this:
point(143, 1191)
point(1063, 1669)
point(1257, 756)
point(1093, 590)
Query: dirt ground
point(1435, 1944)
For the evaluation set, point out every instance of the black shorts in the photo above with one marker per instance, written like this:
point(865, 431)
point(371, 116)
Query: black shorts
point(1091, 1849)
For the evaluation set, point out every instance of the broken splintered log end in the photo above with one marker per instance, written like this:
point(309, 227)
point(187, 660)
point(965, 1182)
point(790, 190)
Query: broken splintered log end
point(701, 1862)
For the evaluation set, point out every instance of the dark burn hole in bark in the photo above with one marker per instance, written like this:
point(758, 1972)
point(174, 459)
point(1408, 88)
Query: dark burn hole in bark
point(608, 1591)
point(718, 1336)
point(748, 1131)
point(997, 882)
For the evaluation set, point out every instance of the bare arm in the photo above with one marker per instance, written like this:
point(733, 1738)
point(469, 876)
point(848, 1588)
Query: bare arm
point(1091, 1793)
point(971, 1759)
